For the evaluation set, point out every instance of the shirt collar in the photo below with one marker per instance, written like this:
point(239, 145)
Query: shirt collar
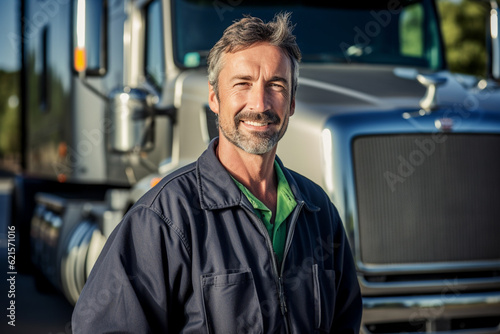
point(217, 189)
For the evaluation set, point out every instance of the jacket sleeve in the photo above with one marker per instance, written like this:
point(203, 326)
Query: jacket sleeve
point(136, 285)
point(348, 303)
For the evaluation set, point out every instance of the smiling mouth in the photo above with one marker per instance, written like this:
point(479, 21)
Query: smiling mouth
point(257, 124)
point(257, 121)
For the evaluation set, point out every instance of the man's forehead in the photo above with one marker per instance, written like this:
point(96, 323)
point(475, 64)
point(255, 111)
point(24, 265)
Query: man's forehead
point(265, 55)
point(260, 46)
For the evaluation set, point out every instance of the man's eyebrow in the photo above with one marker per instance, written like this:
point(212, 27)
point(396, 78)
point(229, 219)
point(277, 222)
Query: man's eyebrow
point(248, 77)
point(241, 77)
point(275, 78)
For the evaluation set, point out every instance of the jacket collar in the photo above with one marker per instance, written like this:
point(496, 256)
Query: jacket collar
point(217, 189)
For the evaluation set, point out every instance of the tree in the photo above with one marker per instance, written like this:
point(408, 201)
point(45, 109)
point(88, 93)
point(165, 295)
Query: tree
point(9, 114)
point(464, 33)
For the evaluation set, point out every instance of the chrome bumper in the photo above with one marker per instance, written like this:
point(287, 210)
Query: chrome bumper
point(448, 312)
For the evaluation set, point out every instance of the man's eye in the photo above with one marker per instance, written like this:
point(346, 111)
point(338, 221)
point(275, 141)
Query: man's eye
point(277, 86)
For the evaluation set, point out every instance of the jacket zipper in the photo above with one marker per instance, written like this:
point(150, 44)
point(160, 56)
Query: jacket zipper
point(288, 242)
point(289, 235)
point(278, 275)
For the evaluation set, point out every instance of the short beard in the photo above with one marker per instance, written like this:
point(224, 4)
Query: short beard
point(260, 143)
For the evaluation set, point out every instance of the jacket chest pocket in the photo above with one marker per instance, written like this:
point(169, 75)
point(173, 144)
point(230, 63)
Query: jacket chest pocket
point(324, 297)
point(231, 302)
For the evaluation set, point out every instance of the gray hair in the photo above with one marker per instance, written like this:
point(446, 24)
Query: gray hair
point(250, 30)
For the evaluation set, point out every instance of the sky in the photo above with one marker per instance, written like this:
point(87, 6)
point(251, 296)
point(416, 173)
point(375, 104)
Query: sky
point(9, 31)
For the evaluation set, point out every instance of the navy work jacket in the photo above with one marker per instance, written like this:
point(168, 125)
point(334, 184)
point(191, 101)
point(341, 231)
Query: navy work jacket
point(192, 257)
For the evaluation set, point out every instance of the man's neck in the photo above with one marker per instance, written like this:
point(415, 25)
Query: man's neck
point(255, 172)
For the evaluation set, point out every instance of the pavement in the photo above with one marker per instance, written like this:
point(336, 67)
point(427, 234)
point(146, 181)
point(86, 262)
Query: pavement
point(31, 311)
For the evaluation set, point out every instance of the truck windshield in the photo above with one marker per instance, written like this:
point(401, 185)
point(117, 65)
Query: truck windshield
point(396, 32)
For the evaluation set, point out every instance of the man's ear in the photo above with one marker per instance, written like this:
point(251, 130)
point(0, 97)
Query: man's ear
point(292, 107)
point(213, 101)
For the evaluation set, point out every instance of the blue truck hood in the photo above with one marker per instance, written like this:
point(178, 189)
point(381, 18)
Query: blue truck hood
point(378, 88)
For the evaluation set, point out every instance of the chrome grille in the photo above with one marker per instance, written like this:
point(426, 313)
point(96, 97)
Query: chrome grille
point(428, 198)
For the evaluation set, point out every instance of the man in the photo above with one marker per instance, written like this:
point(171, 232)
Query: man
point(235, 242)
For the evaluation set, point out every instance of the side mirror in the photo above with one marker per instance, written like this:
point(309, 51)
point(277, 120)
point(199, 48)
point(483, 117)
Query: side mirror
point(131, 121)
point(89, 37)
point(494, 50)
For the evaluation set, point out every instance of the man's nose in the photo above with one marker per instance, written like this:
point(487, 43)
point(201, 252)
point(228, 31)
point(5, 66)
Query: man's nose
point(258, 99)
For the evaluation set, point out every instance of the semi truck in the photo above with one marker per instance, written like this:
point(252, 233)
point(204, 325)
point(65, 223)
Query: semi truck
point(115, 96)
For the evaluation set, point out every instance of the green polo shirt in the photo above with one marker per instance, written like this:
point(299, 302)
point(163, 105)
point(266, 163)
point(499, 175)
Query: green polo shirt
point(285, 205)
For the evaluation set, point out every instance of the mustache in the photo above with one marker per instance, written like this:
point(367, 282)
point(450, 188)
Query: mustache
point(267, 116)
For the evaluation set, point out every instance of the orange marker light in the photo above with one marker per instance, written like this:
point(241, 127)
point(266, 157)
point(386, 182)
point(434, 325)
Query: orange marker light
point(62, 178)
point(62, 153)
point(80, 59)
point(154, 181)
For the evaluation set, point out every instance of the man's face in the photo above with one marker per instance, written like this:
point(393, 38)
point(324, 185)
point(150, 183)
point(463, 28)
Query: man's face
point(254, 101)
